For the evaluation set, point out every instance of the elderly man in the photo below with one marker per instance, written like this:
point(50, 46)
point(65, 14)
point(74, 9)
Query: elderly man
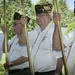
point(44, 53)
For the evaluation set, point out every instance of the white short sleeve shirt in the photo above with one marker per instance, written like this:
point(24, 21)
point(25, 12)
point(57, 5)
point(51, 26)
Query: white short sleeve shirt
point(1, 44)
point(45, 59)
point(17, 51)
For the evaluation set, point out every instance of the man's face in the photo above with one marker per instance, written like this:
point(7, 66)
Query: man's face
point(17, 26)
point(41, 19)
point(23, 20)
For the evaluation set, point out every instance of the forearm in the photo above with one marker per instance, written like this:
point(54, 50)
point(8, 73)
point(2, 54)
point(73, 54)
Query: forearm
point(22, 38)
point(20, 60)
point(56, 39)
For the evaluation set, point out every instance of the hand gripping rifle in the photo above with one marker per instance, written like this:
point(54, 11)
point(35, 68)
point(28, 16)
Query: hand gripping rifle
point(27, 42)
point(60, 36)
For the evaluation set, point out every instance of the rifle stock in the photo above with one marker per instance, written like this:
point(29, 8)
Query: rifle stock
point(5, 36)
point(60, 36)
point(27, 42)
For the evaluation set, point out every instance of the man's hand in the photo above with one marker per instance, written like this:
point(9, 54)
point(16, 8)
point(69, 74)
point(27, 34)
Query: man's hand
point(56, 17)
point(23, 20)
point(7, 65)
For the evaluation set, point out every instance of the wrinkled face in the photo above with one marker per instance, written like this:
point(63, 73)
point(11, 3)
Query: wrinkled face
point(42, 19)
point(17, 26)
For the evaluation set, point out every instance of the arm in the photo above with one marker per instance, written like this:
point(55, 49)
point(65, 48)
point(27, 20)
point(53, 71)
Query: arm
point(56, 43)
point(18, 61)
point(56, 40)
point(56, 46)
point(22, 37)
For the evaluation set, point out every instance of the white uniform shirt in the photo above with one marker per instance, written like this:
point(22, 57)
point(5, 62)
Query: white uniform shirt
point(45, 59)
point(17, 51)
point(70, 39)
point(1, 43)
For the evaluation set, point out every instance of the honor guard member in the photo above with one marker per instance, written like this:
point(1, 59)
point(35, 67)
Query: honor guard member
point(17, 59)
point(45, 56)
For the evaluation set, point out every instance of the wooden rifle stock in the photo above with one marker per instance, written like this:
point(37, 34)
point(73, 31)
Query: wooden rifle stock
point(27, 42)
point(60, 36)
point(5, 36)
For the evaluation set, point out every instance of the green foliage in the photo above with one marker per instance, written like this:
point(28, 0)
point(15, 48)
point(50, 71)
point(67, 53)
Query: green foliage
point(70, 27)
point(13, 6)
point(44, 1)
point(1, 65)
point(1, 69)
point(66, 14)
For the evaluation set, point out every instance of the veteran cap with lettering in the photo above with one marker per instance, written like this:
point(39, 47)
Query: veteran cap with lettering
point(43, 8)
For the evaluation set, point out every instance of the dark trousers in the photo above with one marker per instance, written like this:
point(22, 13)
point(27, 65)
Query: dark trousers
point(61, 73)
point(25, 71)
point(45, 73)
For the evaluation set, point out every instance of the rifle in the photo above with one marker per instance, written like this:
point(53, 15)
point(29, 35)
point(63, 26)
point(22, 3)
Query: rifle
point(27, 42)
point(5, 35)
point(60, 36)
